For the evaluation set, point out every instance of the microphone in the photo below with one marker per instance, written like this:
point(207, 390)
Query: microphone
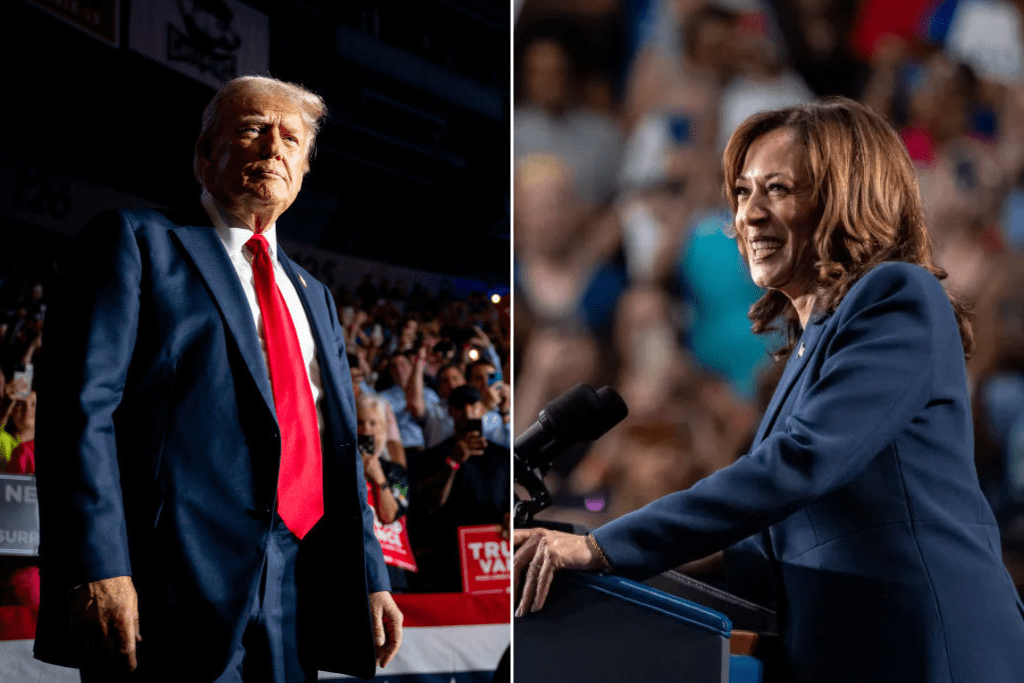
point(580, 414)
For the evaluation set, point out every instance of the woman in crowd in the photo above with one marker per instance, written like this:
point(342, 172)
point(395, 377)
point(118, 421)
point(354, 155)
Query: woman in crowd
point(387, 488)
point(860, 486)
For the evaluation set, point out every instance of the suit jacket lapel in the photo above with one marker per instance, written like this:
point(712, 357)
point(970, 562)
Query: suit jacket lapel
point(797, 362)
point(331, 370)
point(315, 314)
point(204, 247)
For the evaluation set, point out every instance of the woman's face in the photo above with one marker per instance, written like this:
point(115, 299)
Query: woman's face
point(369, 422)
point(776, 216)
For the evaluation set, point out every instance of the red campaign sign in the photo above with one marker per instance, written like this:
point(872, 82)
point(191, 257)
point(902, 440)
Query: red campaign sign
point(486, 559)
point(393, 538)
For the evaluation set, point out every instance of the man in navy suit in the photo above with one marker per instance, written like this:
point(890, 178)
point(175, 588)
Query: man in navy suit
point(192, 487)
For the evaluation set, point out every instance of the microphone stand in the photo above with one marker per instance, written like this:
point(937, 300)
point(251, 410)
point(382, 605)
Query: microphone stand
point(531, 478)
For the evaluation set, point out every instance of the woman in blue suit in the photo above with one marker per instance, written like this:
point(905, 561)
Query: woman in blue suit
point(860, 488)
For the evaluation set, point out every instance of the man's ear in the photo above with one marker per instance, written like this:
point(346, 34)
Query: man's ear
point(204, 166)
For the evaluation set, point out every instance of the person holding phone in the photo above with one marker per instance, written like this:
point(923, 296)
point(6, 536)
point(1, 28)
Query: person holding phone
point(462, 481)
point(485, 377)
point(387, 487)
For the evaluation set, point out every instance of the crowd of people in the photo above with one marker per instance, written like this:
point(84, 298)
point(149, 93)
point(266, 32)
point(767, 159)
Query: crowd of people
point(626, 271)
point(21, 336)
point(432, 411)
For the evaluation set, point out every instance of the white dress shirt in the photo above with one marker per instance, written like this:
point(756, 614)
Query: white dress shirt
point(234, 234)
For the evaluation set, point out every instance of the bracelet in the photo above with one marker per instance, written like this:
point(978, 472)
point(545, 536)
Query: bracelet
point(592, 542)
point(451, 463)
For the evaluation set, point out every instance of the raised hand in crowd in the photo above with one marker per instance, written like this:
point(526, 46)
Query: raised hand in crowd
point(480, 338)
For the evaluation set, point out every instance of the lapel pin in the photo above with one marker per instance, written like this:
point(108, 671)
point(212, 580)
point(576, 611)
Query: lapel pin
point(302, 281)
point(799, 352)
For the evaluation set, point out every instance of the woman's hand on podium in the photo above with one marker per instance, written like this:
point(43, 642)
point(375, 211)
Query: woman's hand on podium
point(542, 552)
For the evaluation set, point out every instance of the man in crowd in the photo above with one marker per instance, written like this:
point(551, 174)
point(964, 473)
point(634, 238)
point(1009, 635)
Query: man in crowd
point(463, 481)
point(496, 398)
point(197, 466)
point(409, 398)
point(438, 424)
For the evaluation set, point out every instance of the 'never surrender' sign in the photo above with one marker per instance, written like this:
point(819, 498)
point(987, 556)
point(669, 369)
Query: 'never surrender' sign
point(19, 515)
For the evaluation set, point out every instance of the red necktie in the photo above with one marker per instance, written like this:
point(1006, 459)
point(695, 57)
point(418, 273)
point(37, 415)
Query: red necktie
point(300, 483)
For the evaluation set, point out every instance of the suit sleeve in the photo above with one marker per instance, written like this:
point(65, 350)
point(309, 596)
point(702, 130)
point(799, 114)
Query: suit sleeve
point(92, 331)
point(874, 379)
point(376, 571)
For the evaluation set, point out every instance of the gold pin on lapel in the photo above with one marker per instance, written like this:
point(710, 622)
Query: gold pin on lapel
point(302, 281)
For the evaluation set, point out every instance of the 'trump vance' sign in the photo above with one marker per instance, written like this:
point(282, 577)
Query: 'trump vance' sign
point(19, 515)
point(486, 560)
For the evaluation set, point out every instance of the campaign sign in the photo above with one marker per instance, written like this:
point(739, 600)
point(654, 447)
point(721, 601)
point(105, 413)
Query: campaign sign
point(486, 559)
point(394, 543)
point(393, 538)
point(19, 515)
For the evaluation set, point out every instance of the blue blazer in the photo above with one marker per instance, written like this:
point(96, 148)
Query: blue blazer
point(885, 555)
point(158, 453)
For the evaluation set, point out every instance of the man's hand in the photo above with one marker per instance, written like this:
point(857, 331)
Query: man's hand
point(504, 399)
point(473, 443)
point(387, 626)
point(105, 621)
point(542, 552)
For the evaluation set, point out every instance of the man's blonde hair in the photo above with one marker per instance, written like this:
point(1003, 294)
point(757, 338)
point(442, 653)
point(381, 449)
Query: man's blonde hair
point(309, 104)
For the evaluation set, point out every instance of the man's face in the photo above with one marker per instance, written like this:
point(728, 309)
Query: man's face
point(356, 373)
point(448, 380)
point(478, 378)
point(401, 369)
point(460, 416)
point(258, 156)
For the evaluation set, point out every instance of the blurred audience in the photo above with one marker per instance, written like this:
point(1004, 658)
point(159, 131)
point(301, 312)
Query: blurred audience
point(642, 287)
point(408, 348)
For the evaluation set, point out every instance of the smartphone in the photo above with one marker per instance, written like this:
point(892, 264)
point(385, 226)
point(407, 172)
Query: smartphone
point(493, 378)
point(365, 443)
point(27, 376)
point(475, 425)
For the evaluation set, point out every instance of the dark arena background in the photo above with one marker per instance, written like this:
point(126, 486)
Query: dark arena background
point(405, 214)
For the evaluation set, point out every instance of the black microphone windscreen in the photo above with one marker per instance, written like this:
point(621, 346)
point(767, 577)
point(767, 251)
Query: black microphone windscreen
point(614, 408)
point(568, 416)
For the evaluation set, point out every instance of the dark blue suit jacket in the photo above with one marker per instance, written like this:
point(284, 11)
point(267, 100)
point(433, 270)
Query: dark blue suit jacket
point(158, 453)
point(886, 556)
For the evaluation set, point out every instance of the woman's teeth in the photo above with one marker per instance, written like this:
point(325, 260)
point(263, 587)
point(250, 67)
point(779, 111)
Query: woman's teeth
point(765, 246)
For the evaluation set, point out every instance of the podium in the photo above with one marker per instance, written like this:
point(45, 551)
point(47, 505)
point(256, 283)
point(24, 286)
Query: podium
point(596, 628)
